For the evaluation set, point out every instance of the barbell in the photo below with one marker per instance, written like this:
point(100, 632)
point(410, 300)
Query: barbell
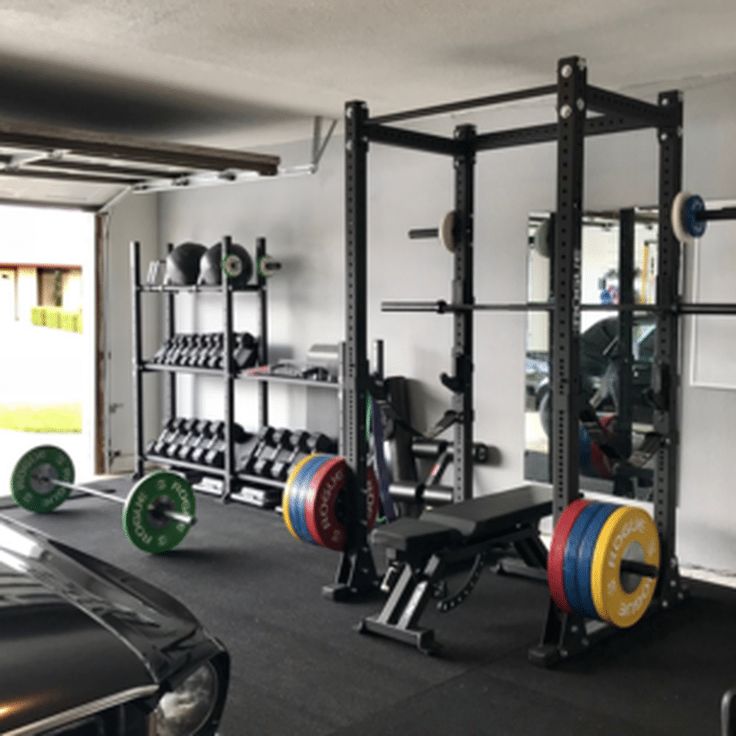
point(157, 513)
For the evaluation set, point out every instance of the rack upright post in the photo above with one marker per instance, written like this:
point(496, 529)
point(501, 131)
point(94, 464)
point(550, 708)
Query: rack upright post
point(356, 573)
point(463, 293)
point(229, 374)
point(138, 425)
point(666, 377)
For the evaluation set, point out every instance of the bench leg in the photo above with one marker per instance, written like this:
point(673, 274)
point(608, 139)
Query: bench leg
point(533, 556)
point(404, 607)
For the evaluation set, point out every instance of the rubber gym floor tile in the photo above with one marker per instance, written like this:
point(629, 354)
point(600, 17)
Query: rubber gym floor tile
point(299, 666)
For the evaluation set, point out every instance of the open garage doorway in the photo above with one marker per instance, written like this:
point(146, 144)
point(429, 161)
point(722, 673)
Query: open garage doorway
point(48, 388)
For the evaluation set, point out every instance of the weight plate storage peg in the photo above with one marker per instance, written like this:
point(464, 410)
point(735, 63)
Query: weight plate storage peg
point(555, 574)
point(620, 597)
point(325, 503)
point(267, 266)
point(144, 514)
point(685, 222)
point(32, 482)
point(232, 266)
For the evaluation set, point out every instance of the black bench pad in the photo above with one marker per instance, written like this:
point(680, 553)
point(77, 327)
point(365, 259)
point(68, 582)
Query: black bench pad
point(496, 513)
point(415, 537)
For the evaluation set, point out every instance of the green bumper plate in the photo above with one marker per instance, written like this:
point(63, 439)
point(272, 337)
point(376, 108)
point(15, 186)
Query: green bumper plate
point(32, 482)
point(140, 524)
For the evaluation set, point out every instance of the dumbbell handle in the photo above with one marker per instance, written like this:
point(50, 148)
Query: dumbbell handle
point(109, 496)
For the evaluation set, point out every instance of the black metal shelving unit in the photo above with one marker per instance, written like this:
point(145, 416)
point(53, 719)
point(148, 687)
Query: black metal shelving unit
point(583, 110)
point(228, 374)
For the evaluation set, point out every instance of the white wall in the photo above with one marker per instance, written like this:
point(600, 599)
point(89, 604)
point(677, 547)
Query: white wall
point(134, 218)
point(303, 219)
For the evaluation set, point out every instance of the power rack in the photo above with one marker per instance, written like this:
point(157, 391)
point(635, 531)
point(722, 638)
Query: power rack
point(582, 111)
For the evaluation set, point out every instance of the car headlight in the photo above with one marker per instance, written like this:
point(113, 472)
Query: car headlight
point(185, 710)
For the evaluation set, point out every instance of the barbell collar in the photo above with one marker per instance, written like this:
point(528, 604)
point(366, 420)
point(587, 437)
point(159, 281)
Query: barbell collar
point(178, 517)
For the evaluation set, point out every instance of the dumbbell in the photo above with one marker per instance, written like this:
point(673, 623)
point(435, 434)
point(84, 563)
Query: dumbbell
point(319, 442)
point(205, 352)
point(177, 349)
point(194, 437)
point(160, 355)
point(215, 455)
point(172, 447)
point(279, 440)
point(262, 443)
point(171, 429)
point(192, 354)
point(190, 349)
point(215, 432)
point(304, 444)
point(245, 354)
point(214, 355)
point(297, 445)
point(158, 512)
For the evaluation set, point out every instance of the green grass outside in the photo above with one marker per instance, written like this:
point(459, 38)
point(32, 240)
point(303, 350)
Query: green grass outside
point(62, 418)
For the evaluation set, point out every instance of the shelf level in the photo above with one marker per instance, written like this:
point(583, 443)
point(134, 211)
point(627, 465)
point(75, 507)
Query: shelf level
point(209, 470)
point(163, 368)
point(195, 289)
point(217, 372)
point(184, 465)
point(293, 381)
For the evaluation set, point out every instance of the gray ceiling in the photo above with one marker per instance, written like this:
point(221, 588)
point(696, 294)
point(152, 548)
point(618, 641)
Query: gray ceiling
point(245, 72)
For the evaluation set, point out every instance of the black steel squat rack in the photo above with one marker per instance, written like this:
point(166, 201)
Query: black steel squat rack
point(582, 110)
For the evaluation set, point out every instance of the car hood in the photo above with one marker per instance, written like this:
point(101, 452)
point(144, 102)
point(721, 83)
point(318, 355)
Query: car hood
point(75, 630)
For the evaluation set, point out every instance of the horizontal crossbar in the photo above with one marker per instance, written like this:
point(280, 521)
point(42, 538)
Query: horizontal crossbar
point(474, 102)
point(413, 140)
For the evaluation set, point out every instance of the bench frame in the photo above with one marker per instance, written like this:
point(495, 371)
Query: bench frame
point(414, 580)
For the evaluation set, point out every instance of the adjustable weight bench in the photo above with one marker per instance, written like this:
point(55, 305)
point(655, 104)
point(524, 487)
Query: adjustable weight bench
point(422, 552)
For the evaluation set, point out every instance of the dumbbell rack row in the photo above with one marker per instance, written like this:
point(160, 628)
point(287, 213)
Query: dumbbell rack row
point(264, 460)
point(228, 373)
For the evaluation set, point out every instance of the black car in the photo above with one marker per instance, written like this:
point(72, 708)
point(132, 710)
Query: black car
point(88, 650)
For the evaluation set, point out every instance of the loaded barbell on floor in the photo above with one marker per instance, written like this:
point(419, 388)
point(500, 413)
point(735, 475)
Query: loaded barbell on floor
point(157, 513)
point(690, 217)
point(604, 562)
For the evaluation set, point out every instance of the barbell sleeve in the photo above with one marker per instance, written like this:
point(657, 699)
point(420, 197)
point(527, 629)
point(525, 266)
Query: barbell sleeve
point(423, 233)
point(640, 568)
point(179, 517)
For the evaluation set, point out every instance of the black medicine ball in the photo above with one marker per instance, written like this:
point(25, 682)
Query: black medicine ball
point(182, 264)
